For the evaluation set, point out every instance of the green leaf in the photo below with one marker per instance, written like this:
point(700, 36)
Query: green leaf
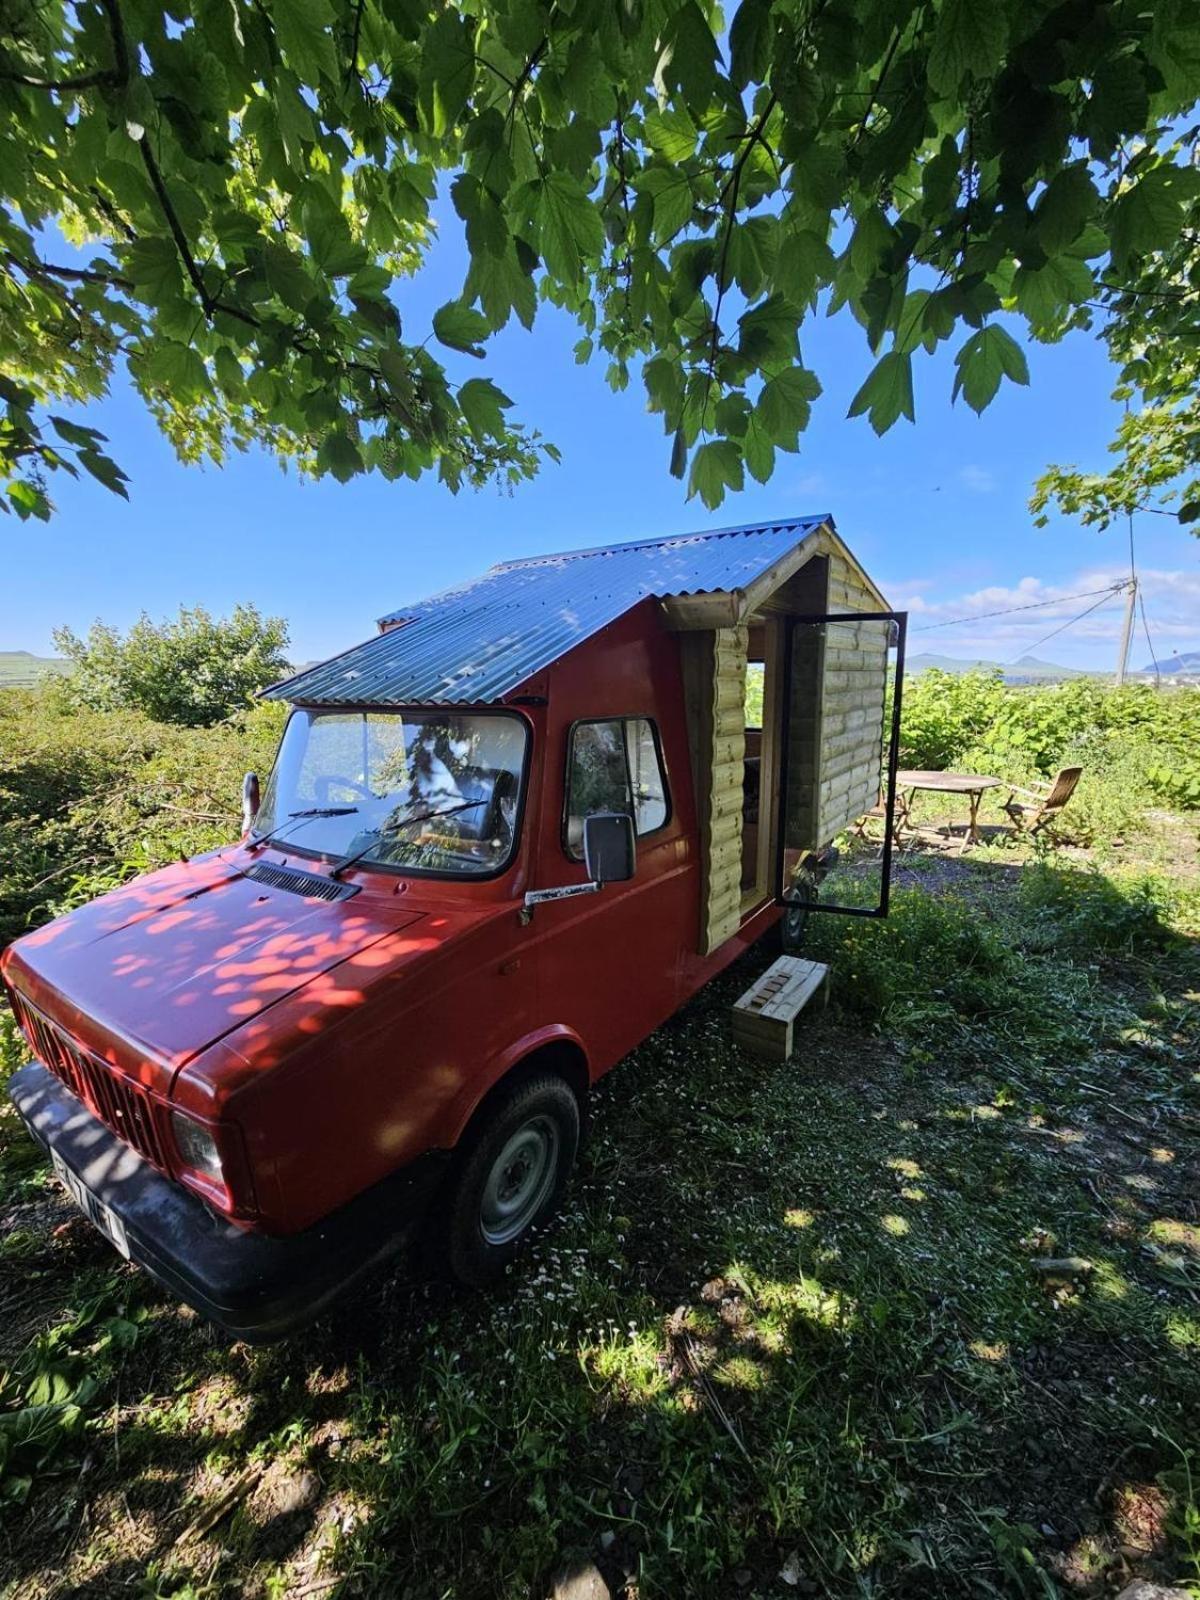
point(888, 392)
point(484, 406)
point(305, 30)
point(785, 404)
point(286, 276)
point(753, 248)
point(487, 230)
point(1149, 214)
point(767, 333)
point(447, 72)
point(27, 500)
point(678, 454)
point(873, 239)
point(689, 58)
point(569, 230)
point(329, 237)
point(716, 466)
point(502, 285)
point(340, 455)
point(75, 433)
point(176, 368)
point(671, 133)
point(1045, 296)
point(750, 40)
point(105, 471)
point(671, 192)
point(758, 449)
point(1063, 211)
point(986, 357)
point(805, 264)
point(969, 39)
point(154, 266)
point(461, 327)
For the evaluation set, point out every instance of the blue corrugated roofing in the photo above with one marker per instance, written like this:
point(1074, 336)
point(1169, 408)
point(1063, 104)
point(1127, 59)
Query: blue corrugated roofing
point(476, 642)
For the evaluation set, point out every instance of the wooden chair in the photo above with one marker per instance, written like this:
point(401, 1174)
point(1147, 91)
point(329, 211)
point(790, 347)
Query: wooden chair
point(1037, 809)
point(878, 812)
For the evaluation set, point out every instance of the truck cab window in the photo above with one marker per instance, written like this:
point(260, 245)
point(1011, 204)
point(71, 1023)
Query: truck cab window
point(420, 791)
point(614, 765)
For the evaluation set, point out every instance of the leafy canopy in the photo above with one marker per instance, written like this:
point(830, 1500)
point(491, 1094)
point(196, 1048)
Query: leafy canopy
point(1150, 322)
point(250, 185)
point(194, 669)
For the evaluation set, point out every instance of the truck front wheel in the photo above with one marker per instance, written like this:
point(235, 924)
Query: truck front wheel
point(507, 1180)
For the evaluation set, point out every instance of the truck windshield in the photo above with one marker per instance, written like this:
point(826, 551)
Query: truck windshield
point(426, 791)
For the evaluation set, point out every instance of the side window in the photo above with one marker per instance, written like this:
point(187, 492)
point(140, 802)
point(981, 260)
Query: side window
point(614, 765)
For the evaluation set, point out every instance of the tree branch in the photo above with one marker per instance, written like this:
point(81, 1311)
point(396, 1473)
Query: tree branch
point(38, 269)
point(115, 76)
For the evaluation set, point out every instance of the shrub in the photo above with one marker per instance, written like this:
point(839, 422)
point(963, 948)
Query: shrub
point(943, 714)
point(192, 670)
point(89, 798)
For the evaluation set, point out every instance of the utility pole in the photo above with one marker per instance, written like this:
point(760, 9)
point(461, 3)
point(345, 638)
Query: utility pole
point(1126, 632)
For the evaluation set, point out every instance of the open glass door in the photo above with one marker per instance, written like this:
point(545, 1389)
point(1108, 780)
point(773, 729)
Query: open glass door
point(839, 744)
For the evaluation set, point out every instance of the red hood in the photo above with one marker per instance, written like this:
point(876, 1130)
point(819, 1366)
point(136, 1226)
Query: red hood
point(161, 968)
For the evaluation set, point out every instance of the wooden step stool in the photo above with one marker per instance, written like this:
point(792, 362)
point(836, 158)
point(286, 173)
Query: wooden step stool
point(764, 1016)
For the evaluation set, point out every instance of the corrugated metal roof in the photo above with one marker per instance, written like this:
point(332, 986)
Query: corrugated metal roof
point(476, 642)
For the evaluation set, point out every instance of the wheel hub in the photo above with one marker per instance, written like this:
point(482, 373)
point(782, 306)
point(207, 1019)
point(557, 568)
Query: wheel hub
point(520, 1179)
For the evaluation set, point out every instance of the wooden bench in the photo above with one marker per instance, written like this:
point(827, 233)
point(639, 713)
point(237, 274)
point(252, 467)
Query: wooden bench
point(764, 1017)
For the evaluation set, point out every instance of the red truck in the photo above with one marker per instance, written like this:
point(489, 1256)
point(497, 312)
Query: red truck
point(502, 841)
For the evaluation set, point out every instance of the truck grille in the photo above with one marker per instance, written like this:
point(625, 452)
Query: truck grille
point(121, 1104)
point(311, 884)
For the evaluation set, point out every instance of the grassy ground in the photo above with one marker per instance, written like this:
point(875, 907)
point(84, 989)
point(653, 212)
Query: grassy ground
point(792, 1334)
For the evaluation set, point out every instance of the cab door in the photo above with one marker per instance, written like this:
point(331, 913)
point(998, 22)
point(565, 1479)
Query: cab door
point(839, 743)
point(610, 961)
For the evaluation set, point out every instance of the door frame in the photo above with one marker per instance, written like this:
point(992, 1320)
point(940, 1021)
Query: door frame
point(791, 623)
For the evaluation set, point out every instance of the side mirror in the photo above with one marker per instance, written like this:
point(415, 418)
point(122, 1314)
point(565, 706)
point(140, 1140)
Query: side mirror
point(609, 847)
point(250, 797)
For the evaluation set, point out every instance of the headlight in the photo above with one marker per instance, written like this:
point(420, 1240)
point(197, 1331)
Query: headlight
point(197, 1147)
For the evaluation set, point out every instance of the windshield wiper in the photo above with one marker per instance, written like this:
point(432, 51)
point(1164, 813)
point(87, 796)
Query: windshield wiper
point(395, 827)
point(306, 815)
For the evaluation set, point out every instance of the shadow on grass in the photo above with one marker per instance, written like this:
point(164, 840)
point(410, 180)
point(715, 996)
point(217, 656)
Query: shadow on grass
point(796, 1320)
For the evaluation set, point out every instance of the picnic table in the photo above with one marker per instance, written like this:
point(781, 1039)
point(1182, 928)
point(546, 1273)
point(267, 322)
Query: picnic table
point(909, 782)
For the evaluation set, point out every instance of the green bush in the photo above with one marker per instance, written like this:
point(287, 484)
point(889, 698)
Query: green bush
point(193, 669)
point(1138, 746)
point(89, 798)
point(944, 714)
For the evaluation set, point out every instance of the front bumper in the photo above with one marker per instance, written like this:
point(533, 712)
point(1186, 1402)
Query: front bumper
point(256, 1286)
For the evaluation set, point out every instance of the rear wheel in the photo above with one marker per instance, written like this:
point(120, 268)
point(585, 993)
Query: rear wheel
point(507, 1180)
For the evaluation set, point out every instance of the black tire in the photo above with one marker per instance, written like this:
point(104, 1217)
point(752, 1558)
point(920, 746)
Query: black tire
point(520, 1158)
point(793, 925)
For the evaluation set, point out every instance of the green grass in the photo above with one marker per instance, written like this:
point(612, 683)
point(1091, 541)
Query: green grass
point(791, 1319)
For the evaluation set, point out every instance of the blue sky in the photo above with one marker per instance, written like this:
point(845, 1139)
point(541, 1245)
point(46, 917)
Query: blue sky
point(936, 511)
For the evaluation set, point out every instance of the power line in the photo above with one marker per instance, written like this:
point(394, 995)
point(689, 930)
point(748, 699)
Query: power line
point(1070, 621)
point(1034, 605)
point(1149, 646)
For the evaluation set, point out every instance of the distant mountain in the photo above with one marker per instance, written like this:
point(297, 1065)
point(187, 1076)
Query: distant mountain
point(19, 669)
point(1027, 670)
point(1187, 661)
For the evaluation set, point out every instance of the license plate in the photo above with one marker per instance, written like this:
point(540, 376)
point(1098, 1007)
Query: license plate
point(94, 1209)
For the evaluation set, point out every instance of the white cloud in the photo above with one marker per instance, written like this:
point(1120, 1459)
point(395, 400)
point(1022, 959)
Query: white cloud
point(965, 624)
point(978, 479)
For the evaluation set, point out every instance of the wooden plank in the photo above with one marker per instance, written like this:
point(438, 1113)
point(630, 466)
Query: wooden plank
point(723, 608)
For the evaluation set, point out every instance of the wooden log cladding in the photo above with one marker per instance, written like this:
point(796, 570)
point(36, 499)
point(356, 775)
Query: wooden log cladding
point(715, 680)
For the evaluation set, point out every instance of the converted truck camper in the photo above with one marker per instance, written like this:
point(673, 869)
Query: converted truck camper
point(503, 840)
